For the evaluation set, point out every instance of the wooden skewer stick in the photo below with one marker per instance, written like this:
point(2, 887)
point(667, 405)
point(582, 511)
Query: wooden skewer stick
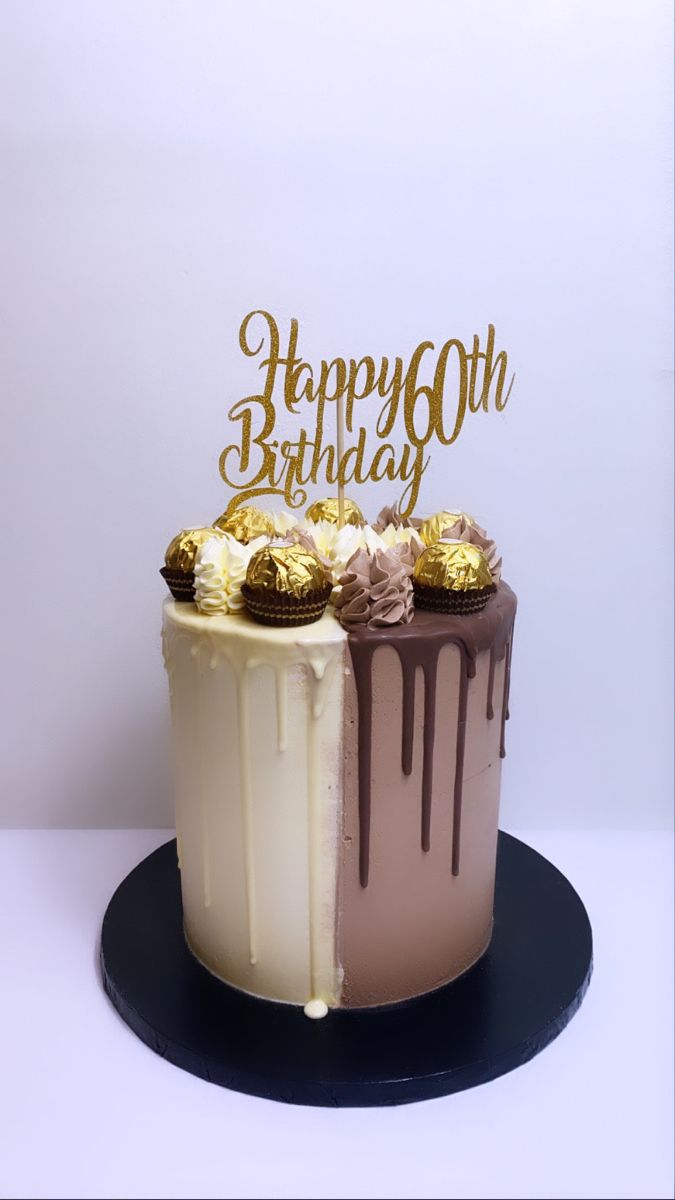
point(340, 441)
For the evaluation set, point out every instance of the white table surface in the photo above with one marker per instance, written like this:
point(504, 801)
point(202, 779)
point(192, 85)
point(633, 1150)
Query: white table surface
point(86, 1110)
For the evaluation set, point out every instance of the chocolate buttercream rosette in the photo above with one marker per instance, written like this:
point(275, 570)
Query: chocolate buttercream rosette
point(179, 560)
point(247, 523)
point(328, 510)
point(375, 589)
point(286, 584)
point(390, 515)
point(452, 577)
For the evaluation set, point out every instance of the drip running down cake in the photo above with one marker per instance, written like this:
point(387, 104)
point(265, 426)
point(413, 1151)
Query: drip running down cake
point(339, 693)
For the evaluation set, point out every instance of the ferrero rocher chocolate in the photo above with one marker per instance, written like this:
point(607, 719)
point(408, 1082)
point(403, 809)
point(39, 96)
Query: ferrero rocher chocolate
point(452, 577)
point(246, 523)
point(431, 530)
point(179, 560)
point(327, 510)
point(288, 569)
point(286, 584)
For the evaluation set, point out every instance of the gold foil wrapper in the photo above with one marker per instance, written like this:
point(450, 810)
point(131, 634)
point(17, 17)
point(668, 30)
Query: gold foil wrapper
point(182, 551)
point(286, 570)
point(327, 510)
point(431, 530)
point(246, 523)
point(452, 567)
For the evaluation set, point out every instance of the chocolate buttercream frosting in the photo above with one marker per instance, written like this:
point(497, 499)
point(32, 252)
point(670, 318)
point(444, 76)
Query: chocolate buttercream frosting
point(376, 590)
point(418, 645)
point(389, 515)
point(408, 553)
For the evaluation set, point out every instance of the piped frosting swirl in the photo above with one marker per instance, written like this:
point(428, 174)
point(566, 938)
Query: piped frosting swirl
point(220, 570)
point(390, 515)
point(336, 547)
point(375, 590)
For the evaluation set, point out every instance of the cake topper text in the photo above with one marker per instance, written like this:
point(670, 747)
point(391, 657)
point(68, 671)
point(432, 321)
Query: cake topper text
point(428, 398)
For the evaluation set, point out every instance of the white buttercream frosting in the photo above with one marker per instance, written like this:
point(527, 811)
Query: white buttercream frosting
point(220, 570)
point(283, 522)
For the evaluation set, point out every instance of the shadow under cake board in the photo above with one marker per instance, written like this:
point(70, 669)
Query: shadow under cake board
point(503, 1011)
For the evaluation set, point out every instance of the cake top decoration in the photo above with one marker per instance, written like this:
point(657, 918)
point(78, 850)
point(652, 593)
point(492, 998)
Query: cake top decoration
point(441, 523)
point(466, 531)
point(329, 510)
point(286, 584)
point(454, 566)
point(220, 571)
point(182, 550)
point(452, 577)
point(375, 590)
point(390, 515)
point(284, 523)
point(335, 546)
point(291, 570)
point(247, 523)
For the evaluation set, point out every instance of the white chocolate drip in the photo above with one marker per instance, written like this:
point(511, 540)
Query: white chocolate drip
point(320, 677)
point(316, 1009)
point(246, 787)
point(282, 708)
point(195, 652)
point(169, 664)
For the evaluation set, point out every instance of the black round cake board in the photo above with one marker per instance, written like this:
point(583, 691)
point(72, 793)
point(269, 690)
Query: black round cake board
point(502, 1012)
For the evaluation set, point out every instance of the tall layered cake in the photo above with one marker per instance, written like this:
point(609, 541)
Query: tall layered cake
point(339, 693)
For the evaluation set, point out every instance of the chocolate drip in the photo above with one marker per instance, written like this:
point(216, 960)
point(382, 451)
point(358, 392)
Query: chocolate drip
point(430, 672)
point(459, 763)
point(419, 645)
point(490, 712)
point(362, 661)
point(505, 700)
point(508, 680)
point(409, 673)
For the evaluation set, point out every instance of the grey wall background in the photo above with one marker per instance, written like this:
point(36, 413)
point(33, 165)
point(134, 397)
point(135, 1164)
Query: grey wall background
point(385, 173)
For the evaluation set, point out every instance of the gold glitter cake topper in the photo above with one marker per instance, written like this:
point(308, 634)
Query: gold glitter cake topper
point(425, 399)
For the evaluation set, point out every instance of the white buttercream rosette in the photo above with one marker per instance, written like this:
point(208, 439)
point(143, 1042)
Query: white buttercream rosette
point(220, 570)
point(284, 522)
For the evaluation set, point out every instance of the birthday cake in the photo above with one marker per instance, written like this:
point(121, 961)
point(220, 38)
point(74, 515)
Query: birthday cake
point(339, 692)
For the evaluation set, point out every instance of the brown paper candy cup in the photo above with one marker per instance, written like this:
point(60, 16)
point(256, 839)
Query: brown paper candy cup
point(443, 600)
point(272, 608)
point(181, 584)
